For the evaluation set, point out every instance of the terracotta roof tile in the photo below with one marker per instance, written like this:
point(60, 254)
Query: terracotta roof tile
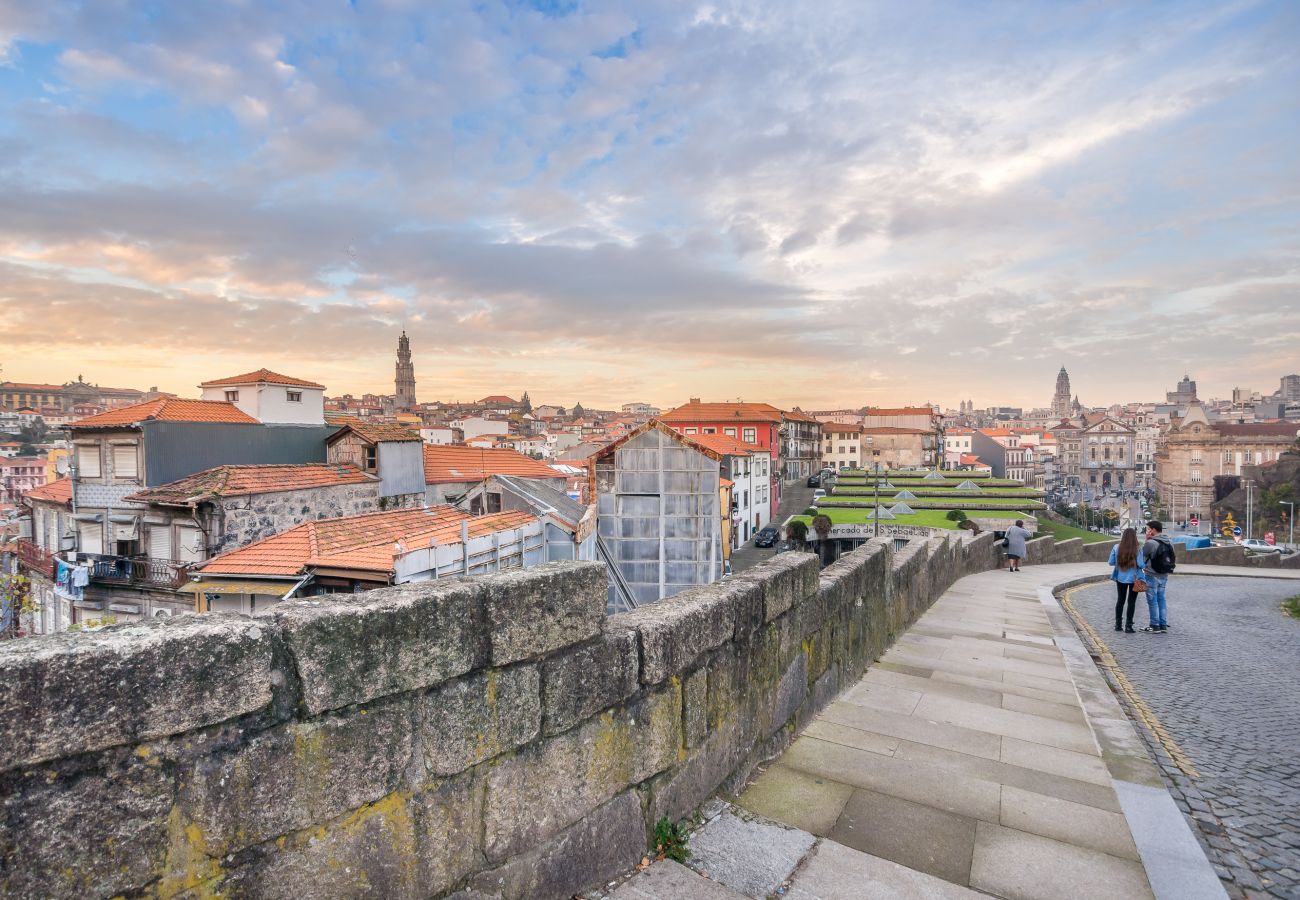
point(372, 432)
point(234, 481)
point(497, 398)
point(1258, 429)
point(894, 429)
point(56, 491)
point(900, 411)
point(838, 428)
point(262, 376)
point(797, 415)
point(724, 444)
point(166, 409)
point(448, 465)
point(364, 542)
point(717, 412)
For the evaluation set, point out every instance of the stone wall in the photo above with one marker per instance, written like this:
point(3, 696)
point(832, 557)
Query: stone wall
point(251, 518)
point(491, 737)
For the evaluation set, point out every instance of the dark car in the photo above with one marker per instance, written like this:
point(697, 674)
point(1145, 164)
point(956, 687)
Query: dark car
point(766, 537)
point(814, 480)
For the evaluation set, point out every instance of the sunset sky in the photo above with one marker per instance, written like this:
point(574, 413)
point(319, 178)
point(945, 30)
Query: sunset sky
point(828, 204)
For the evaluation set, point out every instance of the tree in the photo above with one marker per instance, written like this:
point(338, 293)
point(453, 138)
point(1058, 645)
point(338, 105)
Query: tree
point(526, 404)
point(956, 515)
point(822, 525)
point(799, 532)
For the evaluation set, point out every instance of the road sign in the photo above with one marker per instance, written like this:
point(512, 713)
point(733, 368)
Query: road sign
point(1195, 522)
point(1236, 532)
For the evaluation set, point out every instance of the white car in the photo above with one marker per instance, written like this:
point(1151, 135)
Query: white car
point(1259, 546)
point(818, 494)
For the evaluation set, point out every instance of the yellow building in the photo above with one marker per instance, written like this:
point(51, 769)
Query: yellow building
point(56, 464)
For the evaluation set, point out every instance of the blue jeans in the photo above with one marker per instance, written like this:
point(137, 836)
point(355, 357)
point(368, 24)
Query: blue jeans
point(1156, 585)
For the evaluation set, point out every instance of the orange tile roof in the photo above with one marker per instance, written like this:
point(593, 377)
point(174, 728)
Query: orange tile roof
point(894, 429)
point(166, 409)
point(798, 415)
point(497, 398)
point(838, 428)
point(717, 412)
point(23, 386)
point(364, 542)
point(371, 432)
point(901, 411)
point(56, 491)
point(968, 459)
point(234, 481)
point(997, 432)
point(724, 444)
point(262, 376)
point(448, 465)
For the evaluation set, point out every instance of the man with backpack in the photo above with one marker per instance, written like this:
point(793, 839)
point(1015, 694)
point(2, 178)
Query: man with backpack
point(1158, 552)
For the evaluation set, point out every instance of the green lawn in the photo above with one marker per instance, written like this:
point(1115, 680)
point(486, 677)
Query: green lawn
point(939, 502)
point(861, 490)
point(928, 518)
point(1065, 532)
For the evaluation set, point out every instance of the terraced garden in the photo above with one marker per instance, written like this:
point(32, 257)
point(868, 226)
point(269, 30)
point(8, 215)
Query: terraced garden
point(927, 518)
point(853, 498)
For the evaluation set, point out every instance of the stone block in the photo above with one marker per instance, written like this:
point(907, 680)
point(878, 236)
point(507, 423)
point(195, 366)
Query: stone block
point(83, 835)
point(534, 611)
point(676, 632)
point(448, 819)
point(374, 851)
point(352, 648)
point(548, 786)
point(604, 844)
point(787, 579)
point(675, 793)
point(77, 692)
point(295, 775)
point(581, 681)
point(695, 712)
point(789, 695)
point(480, 716)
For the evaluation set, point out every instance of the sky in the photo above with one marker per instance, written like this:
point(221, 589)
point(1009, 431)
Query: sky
point(829, 204)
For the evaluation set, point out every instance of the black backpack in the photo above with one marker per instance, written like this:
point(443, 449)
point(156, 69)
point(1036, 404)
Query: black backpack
point(1163, 560)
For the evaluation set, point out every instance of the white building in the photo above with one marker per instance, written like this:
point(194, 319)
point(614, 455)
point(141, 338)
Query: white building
point(841, 445)
point(270, 398)
point(477, 426)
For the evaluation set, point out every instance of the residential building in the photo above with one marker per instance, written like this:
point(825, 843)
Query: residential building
point(1108, 455)
point(758, 424)
point(841, 445)
point(838, 416)
point(270, 398)
point(476, 426)
point(659, 526)
point(14, 395)
point(956, 444)
point(50, 507)
point(19, 474)
point(802, 453)
point(443, 435)
point(358, 553)
point(640, 410)
point(1194, 451)
point(1146, 442)
point(1000, 449)
point(746, 468)
point(922, 418)
point(451, 472)
point(569, 525)
point(392, 452)
point(899, 447)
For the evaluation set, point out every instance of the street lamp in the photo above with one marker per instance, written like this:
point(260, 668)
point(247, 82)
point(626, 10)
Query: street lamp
point(875, 457)
point(1290, 519)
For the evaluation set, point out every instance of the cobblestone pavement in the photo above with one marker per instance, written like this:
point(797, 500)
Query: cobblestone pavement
point(1225, 685)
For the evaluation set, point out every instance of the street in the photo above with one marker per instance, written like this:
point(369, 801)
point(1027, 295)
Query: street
point(1223, 683)
point(796, 496)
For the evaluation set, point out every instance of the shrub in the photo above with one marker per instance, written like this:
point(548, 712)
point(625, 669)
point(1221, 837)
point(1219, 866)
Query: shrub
point(799, 531)
point(811, 511)
point(956, 515)
point(670, 841)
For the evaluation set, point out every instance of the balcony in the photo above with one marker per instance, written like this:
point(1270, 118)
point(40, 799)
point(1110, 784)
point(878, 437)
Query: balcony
point(167, 574)
point(34, 559)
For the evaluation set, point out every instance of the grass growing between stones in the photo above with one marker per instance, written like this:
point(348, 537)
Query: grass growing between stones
point(1291, 606)
point(670, 841)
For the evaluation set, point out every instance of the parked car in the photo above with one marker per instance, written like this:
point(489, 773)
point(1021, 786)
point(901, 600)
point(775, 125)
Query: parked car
point(814, 480)
point(818, 494)
point(1258, 546)
point(767, 536)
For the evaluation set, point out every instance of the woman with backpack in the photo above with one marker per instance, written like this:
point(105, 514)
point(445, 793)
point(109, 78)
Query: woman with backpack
point(1127, 563)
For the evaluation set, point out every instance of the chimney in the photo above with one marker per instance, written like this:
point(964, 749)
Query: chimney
point(695, 400)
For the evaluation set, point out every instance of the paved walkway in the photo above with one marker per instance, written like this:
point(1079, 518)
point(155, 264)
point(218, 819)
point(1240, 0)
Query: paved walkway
point(982, 754)
point(1219, 702)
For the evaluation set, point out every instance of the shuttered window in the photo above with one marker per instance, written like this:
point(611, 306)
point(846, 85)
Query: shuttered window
point(160, 542)
point(90, 537)
point(189, 544)
point(88, 460)
point(124, 462)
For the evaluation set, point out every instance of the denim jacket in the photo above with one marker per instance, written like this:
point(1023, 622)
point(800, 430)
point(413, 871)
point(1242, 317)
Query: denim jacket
point(1125, 576)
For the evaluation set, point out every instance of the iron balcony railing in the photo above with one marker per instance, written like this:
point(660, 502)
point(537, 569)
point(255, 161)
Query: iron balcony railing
point(35, 559)
point(161, 573)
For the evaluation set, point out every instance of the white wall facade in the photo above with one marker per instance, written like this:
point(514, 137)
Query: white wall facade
point(270, 403)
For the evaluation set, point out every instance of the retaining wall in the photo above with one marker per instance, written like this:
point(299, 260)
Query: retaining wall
point(499, 736)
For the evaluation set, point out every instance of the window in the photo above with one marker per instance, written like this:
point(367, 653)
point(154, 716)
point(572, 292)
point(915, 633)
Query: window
point(90, 537)
point(293, 396)
point(1250, 457)
point(372, 461)
point(690, 431)
point(232, 396)
point(749, 435)
point(88, 460)
point(124, 458)
point(160, 542)
point(729, 432)
point(1196, 476)
point(1196, 455)
point(709, 431)
point(1227, 456)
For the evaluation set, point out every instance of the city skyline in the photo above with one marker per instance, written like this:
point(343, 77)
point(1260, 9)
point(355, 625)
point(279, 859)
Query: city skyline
point(651, 202)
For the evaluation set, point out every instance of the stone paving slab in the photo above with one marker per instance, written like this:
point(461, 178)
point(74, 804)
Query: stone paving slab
point(835, 872)
point(668, 880)
point(749, 854)
point(965, 754)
